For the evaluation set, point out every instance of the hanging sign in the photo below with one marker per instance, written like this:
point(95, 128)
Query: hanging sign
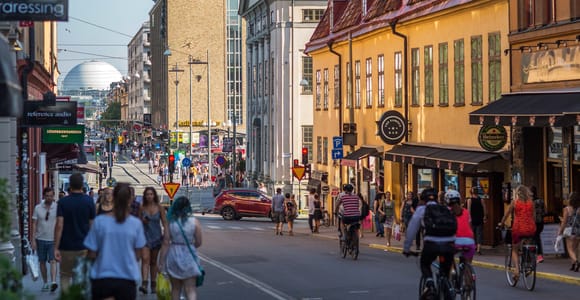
point(34, 10)
point(492, 138)
point(392, 127)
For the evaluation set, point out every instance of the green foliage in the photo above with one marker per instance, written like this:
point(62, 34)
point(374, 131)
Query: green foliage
point(113, 111)
point(75, 292)
point(10, 280)
point(4, 210)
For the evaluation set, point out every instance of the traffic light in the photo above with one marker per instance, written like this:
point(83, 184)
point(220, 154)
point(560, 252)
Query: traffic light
point(171, 164)
point(307, 169)
point(304, 155)
point(120, 140)
point(296, 163)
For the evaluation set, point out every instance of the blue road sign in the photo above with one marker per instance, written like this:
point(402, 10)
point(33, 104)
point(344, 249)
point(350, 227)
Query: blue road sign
point(337, 154)
point(111, 182)
point(337, 142)
point(186, 162)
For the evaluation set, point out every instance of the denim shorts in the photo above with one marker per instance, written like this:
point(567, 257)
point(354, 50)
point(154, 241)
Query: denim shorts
point(45, 250)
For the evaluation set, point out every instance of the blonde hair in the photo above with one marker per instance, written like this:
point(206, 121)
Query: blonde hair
point(522, 192)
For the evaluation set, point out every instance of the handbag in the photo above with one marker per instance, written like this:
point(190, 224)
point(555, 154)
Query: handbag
point(33, 265)
point(568, 230)
point(163, 287)
point(397, 232)
point(200, 278)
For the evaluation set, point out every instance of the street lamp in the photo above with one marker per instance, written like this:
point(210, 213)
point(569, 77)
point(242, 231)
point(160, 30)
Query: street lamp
point(176, 71)
point(206, 62)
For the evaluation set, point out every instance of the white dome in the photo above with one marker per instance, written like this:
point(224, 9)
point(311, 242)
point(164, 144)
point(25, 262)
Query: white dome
point(94, 75)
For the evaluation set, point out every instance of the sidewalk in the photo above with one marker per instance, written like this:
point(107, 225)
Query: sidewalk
point(553, 268)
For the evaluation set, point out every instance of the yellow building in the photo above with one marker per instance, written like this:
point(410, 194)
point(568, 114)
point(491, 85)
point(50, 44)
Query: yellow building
point(397, 80)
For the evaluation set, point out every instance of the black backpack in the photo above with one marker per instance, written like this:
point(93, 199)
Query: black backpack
point(365, 209)
point(438, 220)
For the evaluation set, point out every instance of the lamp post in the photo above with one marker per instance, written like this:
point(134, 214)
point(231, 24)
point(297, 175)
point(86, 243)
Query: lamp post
point(206, 62)
point(176, 71)
point(190, 127)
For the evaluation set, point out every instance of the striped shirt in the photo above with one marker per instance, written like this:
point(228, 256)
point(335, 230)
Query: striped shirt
point(350, 203)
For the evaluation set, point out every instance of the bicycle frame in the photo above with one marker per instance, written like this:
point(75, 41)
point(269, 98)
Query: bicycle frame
point(526, 264)
point(350, 243)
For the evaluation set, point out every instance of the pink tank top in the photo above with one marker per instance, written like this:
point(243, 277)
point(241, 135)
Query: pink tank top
point(463, 226)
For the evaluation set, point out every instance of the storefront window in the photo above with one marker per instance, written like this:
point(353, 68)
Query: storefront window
point(482, 184)
point(576, 142)
point(555, 148)
point(425, 178)
point(451, 180)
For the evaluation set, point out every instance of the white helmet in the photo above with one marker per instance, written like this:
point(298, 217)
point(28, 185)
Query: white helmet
point(452, 196)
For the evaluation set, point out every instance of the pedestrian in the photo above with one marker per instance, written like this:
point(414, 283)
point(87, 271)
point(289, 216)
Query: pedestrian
point(92, 194)
point(478, 213)
point(75, 214)
point(290, 211)
point(540, 212)
point(416, 204)
point(160, 179)
point(388, 209)
point(317, 212)
point(379, 217)
point(570, 229)
point(154, 219)
point(407, 209)
point(311, 209)
point(105, 202)
point(178, 255)
point(150, 164)
point(114, 243)
point(135, 205)
point(262, 188)
point(42, 238)
point(523, 223)
point(278, 211)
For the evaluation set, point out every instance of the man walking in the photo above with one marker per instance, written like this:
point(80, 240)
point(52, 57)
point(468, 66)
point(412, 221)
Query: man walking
point(278, 210)
point(75, 215)
point(478, 212)
point(311, 208)
point(42, 239)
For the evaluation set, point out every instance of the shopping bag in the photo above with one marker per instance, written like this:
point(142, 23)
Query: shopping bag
point(397, 232)
point(163, 288)
point(33, 265)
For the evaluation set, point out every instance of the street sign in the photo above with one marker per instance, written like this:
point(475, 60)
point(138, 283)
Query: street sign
point(298, 172)
point(220, 160)
point(64, 135)
point(111, 182)
point(337, 154)
point(186, 162)
point(337, 142)
point(171, 188)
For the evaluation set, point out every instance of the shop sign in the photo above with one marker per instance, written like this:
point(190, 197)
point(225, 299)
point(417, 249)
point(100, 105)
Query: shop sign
point(392, 127)
point(37, 114)
point(34, 10)
point(64, 135)
point(492, 138)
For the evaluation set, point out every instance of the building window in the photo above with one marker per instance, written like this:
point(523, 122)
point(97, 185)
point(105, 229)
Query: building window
point(459, 72)
point(398, 79)
point(312, 15)
point(319, 150)
point(318, 89)
point(325, 150)
point(494, 45)
point(307, 141)
point(348, 87)
point(336, 86)
point(369, 82)
point(476, 71)
point(325, 103)
point(381, 78)
point(415, 80)
point(443, 75)
point(357, 84)
point(307, 74)
point(536, 13)
point(254, 81)
point(260, 79)
point(429, 75)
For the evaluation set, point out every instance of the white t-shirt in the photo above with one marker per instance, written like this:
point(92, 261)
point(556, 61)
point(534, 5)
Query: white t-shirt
point(44, 227)
point(310, 204)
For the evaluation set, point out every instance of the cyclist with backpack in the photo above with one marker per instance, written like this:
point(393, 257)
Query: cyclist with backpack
point(439, 239)
point(350, 203)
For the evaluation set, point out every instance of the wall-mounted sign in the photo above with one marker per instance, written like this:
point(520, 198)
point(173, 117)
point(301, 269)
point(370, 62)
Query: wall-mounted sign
point(492, 138)
point(64, 135)
point(36, 114)
point(34, 10)
point(392, 127)
point(555, 64)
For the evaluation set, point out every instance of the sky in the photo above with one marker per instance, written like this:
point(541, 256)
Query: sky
point(123, 16)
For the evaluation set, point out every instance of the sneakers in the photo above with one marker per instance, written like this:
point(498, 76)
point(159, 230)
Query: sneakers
point(540, 259)
point(45, 287)
point(53, 286)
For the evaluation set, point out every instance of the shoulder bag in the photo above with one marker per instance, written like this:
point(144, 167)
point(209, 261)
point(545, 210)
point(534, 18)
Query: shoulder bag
point(568, 231)
point(200, 278)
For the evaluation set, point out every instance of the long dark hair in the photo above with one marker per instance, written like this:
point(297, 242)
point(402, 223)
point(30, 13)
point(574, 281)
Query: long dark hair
point(180, 210)
point(121, 201)
point(155, 196)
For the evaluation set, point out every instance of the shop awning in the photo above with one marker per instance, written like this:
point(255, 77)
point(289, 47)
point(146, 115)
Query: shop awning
point(88, 168)
point(363, 151)
point(441, 158)
point(556, 108)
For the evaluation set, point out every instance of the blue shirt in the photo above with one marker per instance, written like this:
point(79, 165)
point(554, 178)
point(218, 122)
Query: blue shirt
point(278, 203)
point(115, 245)
point(77, 210)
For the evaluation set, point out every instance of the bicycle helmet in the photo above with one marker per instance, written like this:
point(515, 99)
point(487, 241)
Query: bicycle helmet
point(429, 194)
point(452, 197)
point(348, 188)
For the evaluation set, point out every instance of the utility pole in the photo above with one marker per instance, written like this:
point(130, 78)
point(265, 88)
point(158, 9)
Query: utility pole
point(176, 71)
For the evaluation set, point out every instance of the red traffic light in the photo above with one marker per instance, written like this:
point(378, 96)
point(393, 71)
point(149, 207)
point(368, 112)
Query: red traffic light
point(304, 155)
point(171, 163)
point(305, 151)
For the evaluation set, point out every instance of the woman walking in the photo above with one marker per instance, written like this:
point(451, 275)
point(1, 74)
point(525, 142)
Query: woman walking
point(571, 219)
point(379, 217)
point(105, 202)
point(387, 208)
point(114, 242)
point(178, 256)
point(153, 216)
point(290, 211)
point(317, 212)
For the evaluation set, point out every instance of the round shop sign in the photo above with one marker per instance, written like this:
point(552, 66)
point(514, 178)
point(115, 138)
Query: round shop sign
point(392, 127)
point(492, 138)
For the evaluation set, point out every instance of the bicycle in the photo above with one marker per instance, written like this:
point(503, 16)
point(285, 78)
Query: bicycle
point(463, 277)
point(442, 288)
point(527, 262)
point(325, 218)
point(350, 243)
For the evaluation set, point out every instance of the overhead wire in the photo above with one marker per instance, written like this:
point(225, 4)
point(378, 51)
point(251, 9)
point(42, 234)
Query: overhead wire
point(101, 27)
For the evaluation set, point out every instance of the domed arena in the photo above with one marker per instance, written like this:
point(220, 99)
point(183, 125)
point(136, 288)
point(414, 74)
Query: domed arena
point(91, 75)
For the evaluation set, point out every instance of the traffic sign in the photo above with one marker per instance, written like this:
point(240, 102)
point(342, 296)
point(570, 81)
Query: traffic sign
point(298, 172)
point(337, 154)
point(171, 188)
point(111, 182)
point(186, 162)
point(220, 160)
point(337, 142)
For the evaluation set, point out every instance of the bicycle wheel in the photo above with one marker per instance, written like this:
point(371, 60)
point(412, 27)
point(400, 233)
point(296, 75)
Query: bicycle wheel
point(467, 282)
point(354, 247)
point(343, 247)
point(446, 291)
point(529, 269)
point(422, 286)
point(509, 268)
point(326, 219)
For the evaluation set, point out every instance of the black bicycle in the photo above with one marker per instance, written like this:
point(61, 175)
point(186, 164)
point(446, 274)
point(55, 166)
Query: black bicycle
point(349, 244)
point(527, 264)
point(442, 286)
point(463, 277)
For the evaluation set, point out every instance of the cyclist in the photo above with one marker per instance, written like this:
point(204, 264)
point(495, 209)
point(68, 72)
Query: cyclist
point(464, 239)
point(351, 208)
point(440, 227)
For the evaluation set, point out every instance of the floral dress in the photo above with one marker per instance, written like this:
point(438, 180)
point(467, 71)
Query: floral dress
point(524, 224)
point(179, 262)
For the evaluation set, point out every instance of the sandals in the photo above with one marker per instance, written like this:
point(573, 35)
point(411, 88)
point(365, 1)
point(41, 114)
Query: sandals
point(516, 277)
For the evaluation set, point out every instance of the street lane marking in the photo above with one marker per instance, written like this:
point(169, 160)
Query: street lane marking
point(358, 292)
point(276, 294)
point(257, 228)
point(212, 227)
point(235, 227)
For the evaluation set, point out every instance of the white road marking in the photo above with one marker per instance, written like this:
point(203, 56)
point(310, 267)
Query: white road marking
point(257, 228)
point(276, 294)
point(213, 227)
point(358, 292)
point(235, 227)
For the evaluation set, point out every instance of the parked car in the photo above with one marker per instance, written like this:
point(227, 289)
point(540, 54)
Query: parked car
point(233, 204)
point(89, 149)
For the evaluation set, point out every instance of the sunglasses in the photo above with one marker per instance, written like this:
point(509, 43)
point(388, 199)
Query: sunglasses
point(47, 214)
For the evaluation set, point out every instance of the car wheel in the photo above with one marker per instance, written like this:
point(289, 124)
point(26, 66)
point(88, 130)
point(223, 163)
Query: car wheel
point(228, 213)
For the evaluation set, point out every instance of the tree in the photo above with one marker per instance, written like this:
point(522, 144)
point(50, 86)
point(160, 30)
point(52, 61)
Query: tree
point(113, 112)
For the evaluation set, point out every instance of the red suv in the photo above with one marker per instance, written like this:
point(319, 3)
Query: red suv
point(233, 204)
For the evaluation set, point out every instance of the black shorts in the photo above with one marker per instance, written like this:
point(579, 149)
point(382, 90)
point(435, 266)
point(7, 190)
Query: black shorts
point(350, 220)
point(120, 289)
